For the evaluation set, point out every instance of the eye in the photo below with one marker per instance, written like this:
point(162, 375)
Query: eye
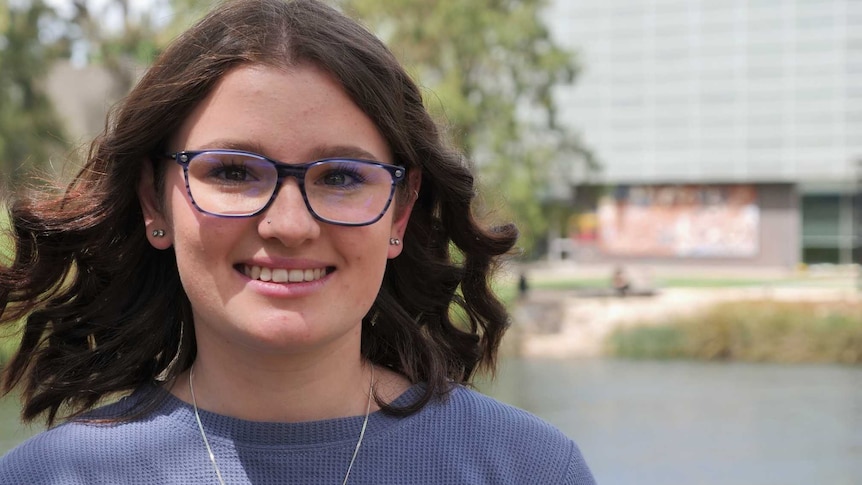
point(233, 173)
point(339, 178)
point(230, 169)
point(341, 175)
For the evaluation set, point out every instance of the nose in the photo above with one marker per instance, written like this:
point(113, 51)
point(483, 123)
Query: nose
point(287, 218)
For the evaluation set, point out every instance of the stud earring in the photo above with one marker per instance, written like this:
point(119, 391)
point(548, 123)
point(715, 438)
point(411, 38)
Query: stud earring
point(158, 233)
point(394, 241)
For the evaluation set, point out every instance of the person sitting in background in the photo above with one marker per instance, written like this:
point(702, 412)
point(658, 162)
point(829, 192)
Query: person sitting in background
point(620, 282)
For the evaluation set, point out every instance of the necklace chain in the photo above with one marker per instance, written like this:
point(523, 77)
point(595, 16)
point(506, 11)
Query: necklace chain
point(212, 455)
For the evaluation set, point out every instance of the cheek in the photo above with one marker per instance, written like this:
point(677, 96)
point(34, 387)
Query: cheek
point(367, 251)
point(201, 242)
point(206, 239)
point(190, 225)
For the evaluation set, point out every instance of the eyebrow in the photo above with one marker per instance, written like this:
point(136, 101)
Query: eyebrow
point(316, 153)
point(346, 151)
point(228, 144)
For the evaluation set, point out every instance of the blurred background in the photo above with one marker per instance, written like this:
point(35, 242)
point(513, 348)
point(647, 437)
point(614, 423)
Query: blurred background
point(686, 175)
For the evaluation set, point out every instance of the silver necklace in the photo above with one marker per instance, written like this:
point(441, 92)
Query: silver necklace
point(212, 455)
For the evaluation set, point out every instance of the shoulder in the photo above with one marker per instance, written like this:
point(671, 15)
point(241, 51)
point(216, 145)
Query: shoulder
point(59, 455)
point(484, 415)
point(85, 451)
point(520, 443)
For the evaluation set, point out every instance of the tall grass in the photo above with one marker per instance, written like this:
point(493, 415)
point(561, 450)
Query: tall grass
point(761, 331)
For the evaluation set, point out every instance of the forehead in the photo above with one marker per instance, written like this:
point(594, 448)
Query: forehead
point(285, 113)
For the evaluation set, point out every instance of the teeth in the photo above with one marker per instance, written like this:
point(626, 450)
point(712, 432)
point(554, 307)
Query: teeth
point(265, 274)
point(296, 275)
point(279, 275)
point(282, 275)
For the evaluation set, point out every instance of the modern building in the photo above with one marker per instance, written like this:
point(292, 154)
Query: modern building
point(729, 131)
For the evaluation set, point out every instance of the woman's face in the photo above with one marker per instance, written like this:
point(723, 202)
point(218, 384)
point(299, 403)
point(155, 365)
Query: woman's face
point(294, 116)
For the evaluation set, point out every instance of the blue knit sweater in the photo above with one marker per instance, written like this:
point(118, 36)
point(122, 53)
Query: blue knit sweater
point(467, 438)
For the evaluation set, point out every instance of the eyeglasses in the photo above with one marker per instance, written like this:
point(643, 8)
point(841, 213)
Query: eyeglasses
point(342, 191)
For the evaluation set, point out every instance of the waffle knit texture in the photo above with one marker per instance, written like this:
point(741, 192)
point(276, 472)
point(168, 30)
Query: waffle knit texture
point(466, 438)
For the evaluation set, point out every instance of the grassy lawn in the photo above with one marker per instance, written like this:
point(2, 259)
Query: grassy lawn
point(708, 282)
point(569, 284)
point(695, 281)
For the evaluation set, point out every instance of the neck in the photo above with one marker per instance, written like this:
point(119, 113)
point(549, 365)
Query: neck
point(261, 388)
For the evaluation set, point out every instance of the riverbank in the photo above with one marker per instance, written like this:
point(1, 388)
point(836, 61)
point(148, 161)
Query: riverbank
point(564, 315)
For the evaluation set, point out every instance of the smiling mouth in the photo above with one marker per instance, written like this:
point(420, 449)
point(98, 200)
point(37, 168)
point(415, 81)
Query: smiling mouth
point(283, 275)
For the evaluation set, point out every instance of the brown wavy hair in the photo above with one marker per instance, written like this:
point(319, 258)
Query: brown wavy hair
point(104, 313)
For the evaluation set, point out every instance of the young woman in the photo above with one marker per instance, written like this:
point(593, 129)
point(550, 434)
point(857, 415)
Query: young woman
point(252, 280)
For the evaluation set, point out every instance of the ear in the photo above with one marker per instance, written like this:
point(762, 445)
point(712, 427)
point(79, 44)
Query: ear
point(155, 223)
point(399, 225)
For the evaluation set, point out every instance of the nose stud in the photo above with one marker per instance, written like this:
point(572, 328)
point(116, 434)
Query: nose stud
point(394, 241)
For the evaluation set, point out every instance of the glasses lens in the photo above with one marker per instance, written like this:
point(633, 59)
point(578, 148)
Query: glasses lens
point(348, 191)
point(229, 183)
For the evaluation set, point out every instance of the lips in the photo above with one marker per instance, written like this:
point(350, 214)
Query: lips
point(284, 275)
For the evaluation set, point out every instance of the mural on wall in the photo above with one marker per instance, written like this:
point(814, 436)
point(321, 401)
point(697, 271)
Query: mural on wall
point(680, 221)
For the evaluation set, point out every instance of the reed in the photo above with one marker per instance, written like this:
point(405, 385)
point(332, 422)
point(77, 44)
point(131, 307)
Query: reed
point(756, 331)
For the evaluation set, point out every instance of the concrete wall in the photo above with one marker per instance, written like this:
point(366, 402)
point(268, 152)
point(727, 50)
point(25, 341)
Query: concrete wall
point(780, 225)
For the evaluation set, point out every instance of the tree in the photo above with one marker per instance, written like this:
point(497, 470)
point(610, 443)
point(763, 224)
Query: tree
point(489, 68)
point(30, 132)
point(115, 36)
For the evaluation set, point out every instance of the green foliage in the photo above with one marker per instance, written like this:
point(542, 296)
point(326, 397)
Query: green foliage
point(489, 69)
point(120, 47)
point(765, 331)
point(30, 131)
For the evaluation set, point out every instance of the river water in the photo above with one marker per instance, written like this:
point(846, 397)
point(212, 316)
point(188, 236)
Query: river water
point(686, 423)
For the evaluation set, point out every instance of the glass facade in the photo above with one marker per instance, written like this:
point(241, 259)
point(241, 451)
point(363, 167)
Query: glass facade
point(821, 228)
